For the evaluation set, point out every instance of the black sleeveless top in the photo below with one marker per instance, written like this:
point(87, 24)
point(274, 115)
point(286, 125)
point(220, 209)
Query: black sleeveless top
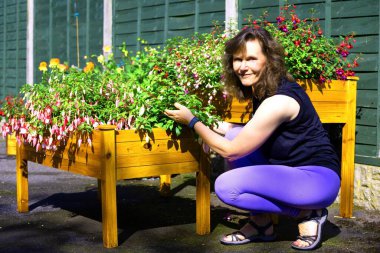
point(303, 140)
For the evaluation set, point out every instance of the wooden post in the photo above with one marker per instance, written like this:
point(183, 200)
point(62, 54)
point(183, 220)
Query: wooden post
point(21, 180)
point(348, 152)
point(165, 182)
point(203, 195)
point(108, 186)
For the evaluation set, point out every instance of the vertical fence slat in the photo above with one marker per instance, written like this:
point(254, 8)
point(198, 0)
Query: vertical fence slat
point(30, 42)
point(328, 18)
point(4, 45)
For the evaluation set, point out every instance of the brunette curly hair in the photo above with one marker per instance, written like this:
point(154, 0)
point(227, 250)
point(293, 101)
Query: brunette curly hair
point(273, 71)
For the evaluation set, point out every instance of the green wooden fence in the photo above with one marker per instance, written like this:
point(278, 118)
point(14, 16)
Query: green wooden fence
point(157, 20)
point(55, 31)
point(340, 18)
point(12, 46)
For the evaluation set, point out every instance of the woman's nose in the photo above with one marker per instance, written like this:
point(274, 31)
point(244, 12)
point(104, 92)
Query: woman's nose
point(243, 65)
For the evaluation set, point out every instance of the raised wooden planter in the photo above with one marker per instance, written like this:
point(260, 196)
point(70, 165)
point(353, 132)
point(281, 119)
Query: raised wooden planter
point(116, 155)
point(125, 154)
point(335, 103)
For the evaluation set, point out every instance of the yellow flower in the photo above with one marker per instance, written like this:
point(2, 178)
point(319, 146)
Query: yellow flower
point(107, 49)
point(101, 59)
point(118, 70)
point(43, 66)
point(63, 67)
point(89, 67)
point(54, 62)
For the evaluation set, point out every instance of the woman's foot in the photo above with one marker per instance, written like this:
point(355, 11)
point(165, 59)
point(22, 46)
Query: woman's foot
point(259, 228)
point(310, 229)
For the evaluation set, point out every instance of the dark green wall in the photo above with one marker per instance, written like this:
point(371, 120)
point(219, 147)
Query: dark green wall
point(55, 34)
point(12, 46)
point(157, 20)
point(340, 18)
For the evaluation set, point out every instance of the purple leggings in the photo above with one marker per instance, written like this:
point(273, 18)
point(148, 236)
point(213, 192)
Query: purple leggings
point(253, 184)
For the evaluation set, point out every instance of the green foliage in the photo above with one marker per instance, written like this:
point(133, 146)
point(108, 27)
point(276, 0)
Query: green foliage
point(308, 53)
point(131, 93)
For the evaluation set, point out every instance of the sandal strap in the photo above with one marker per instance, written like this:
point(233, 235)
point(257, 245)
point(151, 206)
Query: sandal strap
point(235, 237)
point(260, 229)
point(309, 239)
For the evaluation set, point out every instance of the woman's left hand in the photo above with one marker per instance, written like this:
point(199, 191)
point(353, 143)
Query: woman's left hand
point(183, 115)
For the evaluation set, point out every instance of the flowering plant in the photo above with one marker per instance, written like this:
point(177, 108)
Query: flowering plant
point(130, 93)
point(308, 53)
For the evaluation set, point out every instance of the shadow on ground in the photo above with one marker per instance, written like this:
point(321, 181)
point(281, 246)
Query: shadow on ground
point(65, 216)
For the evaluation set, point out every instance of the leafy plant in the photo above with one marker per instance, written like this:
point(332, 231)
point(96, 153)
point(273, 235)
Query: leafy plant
point(130, 93)
point(308, 53)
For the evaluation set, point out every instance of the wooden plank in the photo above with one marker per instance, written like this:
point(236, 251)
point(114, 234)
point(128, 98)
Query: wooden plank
point(181, 23)
point(157, 134)
point(153, 38)
point(182, 33)
point(367, 62)
point(370, 160)
point(149, 25)
point(246, 4)
point(355, 9)
point(22, 190)
point(366, 116)
point(366, 44)
point(368, 81)
point(365, 150)
point(122, 16)
point(207, 19)
point(11, 145)
point(366, 135)
point(357, 25)
point(156, 170)
point(182, 9)
point(126, 4)
point(153, 12)
point(85, 154)
point(159, 146)
point(145, 3)
point(203, 196)
point(108, 187)
point(348, 154)
point(212, 6)
point(63, 164)
point(135, 160)
point(165, 181)
point(367, 99)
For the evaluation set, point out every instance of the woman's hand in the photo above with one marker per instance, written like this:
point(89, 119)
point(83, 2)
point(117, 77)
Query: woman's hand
point(183, 115)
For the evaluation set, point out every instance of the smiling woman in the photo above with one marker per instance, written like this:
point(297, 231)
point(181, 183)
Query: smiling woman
point(283, 145)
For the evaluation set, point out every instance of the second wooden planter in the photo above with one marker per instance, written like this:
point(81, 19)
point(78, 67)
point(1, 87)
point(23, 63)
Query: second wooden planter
point(126, 154)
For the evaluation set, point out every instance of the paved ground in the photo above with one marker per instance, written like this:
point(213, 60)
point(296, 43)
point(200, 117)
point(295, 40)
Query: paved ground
point(65, 216)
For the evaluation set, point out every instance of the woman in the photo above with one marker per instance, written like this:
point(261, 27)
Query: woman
point(283, 159)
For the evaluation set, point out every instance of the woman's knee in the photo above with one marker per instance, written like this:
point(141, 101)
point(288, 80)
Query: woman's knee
point(226, 189)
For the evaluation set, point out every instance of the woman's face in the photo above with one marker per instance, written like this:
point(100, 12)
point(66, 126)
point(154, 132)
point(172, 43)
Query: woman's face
point(248, 64)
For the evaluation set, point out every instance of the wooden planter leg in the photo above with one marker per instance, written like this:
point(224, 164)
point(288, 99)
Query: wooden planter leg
point(108, 187)
point(348, 154)
point(21, 181)
point(203, 196)
point(165, 182)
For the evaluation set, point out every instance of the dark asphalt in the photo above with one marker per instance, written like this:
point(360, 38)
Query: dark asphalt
point(65, 216)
